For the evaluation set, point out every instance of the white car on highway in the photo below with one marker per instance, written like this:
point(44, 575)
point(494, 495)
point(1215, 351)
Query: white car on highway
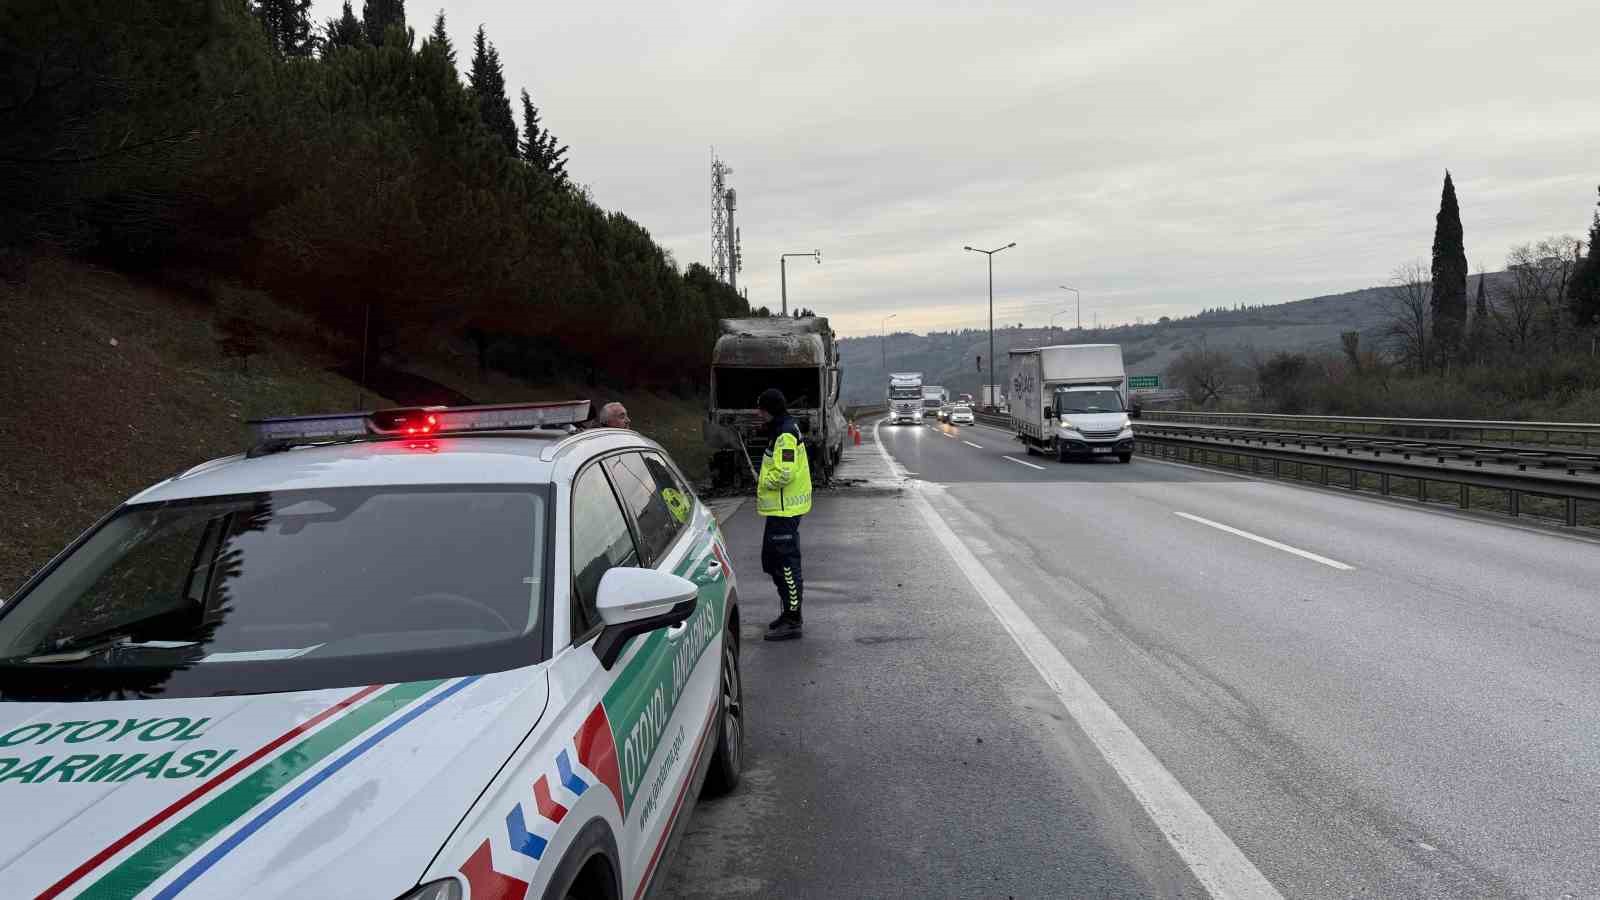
point(961, 415)
point(431, 654)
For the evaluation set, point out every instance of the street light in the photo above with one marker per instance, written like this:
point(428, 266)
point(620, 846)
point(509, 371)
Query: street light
point(783, 275)
point(1057, 313)
point(881, 332)
point(1080, 303)
point(993, 400)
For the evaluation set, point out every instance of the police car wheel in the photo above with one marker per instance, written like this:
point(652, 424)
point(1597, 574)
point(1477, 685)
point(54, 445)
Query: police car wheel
point(728, 760)
point(588, 871)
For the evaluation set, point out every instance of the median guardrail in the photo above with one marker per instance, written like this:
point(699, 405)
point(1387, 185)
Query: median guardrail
point(1564, 486)
point(855, 412)
point(1565, 434)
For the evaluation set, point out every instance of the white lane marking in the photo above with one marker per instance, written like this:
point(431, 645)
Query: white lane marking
point(1305, 554)
point(1021, 463)
point(971, 444)
point(1217, 863)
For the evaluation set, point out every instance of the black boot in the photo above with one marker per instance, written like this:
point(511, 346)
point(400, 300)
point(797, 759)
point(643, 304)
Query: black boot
point(785, 628)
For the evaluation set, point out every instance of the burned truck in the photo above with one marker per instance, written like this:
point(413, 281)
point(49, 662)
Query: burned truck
point(799, 357)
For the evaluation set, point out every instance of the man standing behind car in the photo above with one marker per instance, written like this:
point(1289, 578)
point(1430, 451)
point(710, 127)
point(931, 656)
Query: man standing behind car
point(783, 496)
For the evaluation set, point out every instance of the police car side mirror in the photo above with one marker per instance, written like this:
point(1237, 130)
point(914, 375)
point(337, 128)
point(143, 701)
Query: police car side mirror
point(634, 601)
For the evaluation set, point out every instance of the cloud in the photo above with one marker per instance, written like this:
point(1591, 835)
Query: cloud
point(1161, 157)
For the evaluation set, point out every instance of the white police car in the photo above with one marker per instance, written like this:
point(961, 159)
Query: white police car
point(414, 653)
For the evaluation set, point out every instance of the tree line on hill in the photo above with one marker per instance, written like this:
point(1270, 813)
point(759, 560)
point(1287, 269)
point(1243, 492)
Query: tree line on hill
point(1524, 343)
point(347, 168)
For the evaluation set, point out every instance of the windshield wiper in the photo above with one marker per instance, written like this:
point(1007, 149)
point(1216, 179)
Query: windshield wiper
point(107, 643)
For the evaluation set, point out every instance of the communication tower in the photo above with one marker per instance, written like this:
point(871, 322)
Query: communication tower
point(720, 249)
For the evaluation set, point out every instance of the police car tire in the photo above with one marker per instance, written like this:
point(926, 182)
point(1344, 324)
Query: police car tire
point(589, 870)
point(727, 760)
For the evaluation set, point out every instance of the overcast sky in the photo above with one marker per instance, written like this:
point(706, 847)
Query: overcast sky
point(1160, 157)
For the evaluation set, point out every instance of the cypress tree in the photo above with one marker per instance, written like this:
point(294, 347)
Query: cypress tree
point(1478, 338)
point(441, 40)
point(287, 24)
point(1584, 289)
point(488, 82)
point(344, 31)
point(539, 147)
point(1449, 299)
point(378, 15)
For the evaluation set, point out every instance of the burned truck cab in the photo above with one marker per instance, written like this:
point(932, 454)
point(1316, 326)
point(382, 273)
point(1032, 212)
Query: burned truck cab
point(799, 357)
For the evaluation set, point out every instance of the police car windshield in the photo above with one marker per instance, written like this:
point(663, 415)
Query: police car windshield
point(289, 590)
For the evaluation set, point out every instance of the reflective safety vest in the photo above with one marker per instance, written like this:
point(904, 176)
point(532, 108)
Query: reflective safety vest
point(677, 503)
point(784, 488)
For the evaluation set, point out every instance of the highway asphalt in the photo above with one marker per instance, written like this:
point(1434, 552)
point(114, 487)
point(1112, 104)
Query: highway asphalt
point(1369, 699)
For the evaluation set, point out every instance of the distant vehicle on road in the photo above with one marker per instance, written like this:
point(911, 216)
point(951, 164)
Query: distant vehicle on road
point(992, 397)
point(421, 653)
point(934, 400)
point(961, 414)
point(799, 357)
point(905, 397)
point(1071, 400)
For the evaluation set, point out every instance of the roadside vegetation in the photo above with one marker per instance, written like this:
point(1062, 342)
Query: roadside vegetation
point(116, 381)
point(215, 210)
point(1519, 344)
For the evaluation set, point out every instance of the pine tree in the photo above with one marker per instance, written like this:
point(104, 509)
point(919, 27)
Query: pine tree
point(1449, 300)
point(1584, 289)
point(441, 40)
point(377, 16)
point(344, 31)
point(287, 24)
point(488, 83)
point(539, 146)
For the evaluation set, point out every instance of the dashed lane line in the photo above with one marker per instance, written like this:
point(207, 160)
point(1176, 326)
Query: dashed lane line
point(1021, 463)
point(971, 444)
point(1304, 554)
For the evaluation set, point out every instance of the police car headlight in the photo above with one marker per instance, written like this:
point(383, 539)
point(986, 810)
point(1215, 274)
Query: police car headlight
point(445, 889)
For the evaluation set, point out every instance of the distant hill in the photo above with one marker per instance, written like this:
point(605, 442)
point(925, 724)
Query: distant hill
point(950, 358)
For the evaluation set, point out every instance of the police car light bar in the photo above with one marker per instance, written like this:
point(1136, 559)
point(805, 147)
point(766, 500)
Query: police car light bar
point(418, 421)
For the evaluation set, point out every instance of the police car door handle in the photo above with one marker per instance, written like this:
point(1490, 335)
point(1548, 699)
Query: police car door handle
point(714, 567)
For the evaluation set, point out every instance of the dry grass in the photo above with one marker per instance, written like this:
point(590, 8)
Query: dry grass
point(86, 423)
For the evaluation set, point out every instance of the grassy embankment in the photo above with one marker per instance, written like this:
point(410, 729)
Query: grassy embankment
point(110, 384)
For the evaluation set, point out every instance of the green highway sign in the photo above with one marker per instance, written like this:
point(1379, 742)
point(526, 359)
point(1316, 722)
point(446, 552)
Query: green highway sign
point(1144, 382)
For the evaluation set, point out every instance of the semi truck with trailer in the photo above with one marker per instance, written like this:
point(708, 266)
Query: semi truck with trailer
point(1072, 401)
point(905, 397)
point(934, 400)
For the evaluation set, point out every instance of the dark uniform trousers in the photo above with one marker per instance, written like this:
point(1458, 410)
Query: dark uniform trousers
point(780, 558)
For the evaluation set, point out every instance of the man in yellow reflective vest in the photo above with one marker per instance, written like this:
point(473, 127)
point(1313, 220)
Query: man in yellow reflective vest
point(783, 496)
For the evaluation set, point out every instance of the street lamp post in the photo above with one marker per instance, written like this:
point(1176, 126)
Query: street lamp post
point(783, 274)
point(882, 352)
point(1053, 317)
point(993, 400)
point(1080, 303)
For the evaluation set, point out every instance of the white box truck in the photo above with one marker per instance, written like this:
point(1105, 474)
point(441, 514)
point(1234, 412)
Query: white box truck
point(905, 397)
point(1071, 401)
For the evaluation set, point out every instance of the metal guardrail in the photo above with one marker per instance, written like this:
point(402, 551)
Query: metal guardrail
point(1572, 434)
point(852, 412)
point(1375, 465)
